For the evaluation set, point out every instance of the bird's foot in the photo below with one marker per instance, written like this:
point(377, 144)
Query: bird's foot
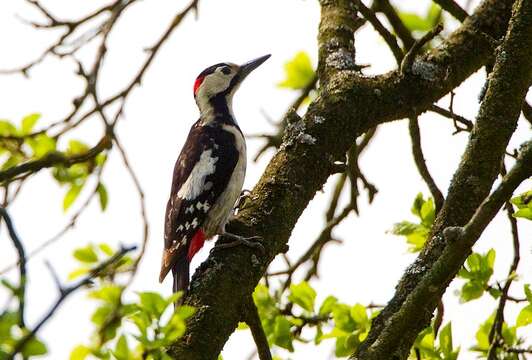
point(251, 241)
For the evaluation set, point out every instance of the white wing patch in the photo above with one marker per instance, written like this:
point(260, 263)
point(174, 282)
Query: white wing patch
point(195, 183)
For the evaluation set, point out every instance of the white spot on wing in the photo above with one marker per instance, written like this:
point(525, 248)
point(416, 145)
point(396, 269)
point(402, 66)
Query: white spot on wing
point(194, 223)
point(195, 183)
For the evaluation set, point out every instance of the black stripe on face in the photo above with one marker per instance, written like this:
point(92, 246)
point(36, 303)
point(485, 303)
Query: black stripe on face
point(219, 101)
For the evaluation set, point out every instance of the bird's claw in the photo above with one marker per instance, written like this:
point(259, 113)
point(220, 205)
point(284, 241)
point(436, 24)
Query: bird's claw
point(251, 242)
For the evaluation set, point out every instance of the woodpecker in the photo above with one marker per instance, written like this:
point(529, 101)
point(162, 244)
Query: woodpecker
point(208, 174)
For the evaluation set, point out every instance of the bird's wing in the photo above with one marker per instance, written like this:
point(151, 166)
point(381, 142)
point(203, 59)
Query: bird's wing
point(201, 174)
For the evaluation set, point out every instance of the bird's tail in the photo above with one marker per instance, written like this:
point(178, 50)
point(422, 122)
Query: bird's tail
point(181, 271)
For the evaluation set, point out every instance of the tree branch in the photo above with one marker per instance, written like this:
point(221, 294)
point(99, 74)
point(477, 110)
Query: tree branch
point(347, 106)
point(55, 158)
point(421, 164)
point(65, 292)
point(377, 25)
point(251, 317)
point(391, 334)
point(21, 293)
point(452, 8)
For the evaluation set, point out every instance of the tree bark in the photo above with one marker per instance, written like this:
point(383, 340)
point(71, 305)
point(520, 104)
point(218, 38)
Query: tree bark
point(418, 292)
point(348, 105)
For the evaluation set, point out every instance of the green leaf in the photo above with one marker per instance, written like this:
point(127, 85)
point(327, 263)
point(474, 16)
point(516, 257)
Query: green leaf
point(34, 347)
point(404, 228)
point(525, 213)
point(528, 292)
point(342, 318)
point(446, 339)
point(417, 204)
point(524, 205)
point(86, 254)
point(80, 352)
point(108, 293)
point(242, 326)
point(283, 337)
point(428, 212)
point(77, 273)
point(298, 72)
point(525, 316)
point(522, 200)
point(359, 315)
point(153, 303)
point(414, 22)
point(471, 290)
point(343, 344)
point(28, 122)
point(100, 159)
point(122, 350)
point(7, 128)
point(76, 147)
point(328, 305)
point(71, 196)
point(41, 145)
point(106, 249)
point(185, 311)
point(103, 195)
point(434, 14)
point(303, 295)
point(13, 160)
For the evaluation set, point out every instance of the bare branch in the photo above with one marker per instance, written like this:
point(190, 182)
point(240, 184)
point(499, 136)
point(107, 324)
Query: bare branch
point(390, 40)
point(143, 213)
point(64, 293)
point(393, 18)
point(495, 334)
point(21, 293)
point(408, 61)
point(453, 8)
point(251, 317)
point(421, 164)
point(390, 334)
point(456, 118)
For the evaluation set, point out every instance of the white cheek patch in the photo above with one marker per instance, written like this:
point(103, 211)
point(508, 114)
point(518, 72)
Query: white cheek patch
point(195, 183)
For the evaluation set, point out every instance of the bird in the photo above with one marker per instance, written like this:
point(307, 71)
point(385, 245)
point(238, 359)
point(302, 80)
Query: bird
point(208, 174)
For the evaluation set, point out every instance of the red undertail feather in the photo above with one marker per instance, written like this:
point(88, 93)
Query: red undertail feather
point(196, 244)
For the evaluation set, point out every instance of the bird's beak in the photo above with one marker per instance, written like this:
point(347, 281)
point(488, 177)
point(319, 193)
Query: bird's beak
point(247, 68)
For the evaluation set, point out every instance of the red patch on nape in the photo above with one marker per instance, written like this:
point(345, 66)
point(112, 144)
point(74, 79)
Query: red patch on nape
point(196, 244)
point(197, 83)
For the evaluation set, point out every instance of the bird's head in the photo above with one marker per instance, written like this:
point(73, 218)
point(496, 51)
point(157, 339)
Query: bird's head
point(219, 82)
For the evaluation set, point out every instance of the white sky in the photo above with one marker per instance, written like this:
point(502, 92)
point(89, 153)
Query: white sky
point(364, 269)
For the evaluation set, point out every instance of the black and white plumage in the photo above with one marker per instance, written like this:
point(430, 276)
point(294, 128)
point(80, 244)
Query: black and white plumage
point(209, 172)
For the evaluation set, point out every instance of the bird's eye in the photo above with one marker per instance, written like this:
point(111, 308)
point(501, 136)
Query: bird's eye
point(226, 70)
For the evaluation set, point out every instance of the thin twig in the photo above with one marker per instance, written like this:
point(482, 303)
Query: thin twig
point(408, 61)
point(21, 292)
point(456, 118)
point(393, 18)
point(64, 293)
point(251, 317)
point(452, 8)
point(275, 140)
point(143, 213)
point(53, 159)
point(70, 225)
point(390, 40)
point(495, 334)
point(421, 164)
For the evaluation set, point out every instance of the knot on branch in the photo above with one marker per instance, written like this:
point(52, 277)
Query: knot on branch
point(452, 234)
